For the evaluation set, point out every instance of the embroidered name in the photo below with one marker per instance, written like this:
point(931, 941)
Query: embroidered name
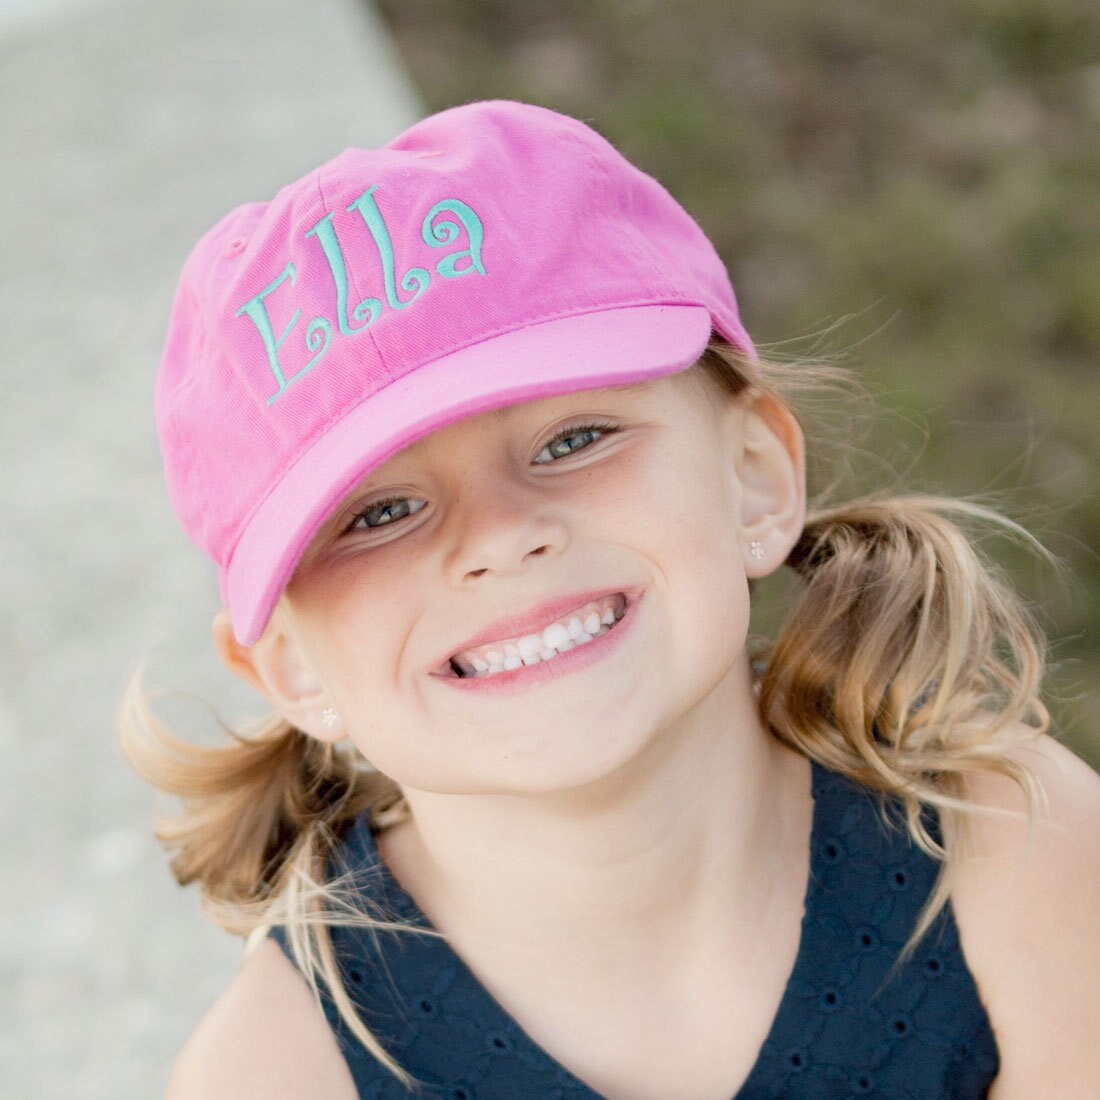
point(443, 225)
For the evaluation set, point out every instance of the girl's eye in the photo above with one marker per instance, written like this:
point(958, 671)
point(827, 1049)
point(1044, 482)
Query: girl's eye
point(382, 513)
point(570, 440)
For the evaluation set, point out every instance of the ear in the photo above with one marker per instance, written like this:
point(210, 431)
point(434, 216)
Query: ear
point(773, 485)
point(279, 670)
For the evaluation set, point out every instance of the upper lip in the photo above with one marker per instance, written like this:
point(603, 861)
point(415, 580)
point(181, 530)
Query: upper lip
point(534, 619)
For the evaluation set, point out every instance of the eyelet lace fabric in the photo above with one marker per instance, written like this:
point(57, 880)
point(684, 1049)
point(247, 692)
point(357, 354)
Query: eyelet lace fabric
point(846, 1025)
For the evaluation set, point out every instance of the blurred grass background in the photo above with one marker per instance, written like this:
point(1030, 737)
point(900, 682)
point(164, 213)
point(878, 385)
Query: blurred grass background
point(915, 188)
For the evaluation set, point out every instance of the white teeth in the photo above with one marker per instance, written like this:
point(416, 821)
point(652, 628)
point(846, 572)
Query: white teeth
point(558, 637)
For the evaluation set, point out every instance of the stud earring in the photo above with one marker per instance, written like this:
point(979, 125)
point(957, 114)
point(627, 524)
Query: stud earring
point(329, 718)
point(756, 549)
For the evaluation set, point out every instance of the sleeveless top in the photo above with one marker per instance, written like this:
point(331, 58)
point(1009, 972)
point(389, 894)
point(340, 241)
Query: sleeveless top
point(846, 1026)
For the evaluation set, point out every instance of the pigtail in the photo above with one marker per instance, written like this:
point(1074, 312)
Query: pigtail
point(253, 807)
point(905, 663)
point(262, 816)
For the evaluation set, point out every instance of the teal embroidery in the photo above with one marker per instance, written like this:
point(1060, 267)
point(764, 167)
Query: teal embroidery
point(416, 279)
point(461, 220)
point(368, 308)
point(318, 338)
point(318, 334)
point(437, 234)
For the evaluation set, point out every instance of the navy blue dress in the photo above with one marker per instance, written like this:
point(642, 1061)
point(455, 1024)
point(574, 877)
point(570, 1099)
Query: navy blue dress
point(845, 1026)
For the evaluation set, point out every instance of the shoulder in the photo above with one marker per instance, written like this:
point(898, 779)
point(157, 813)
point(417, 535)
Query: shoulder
point(265, 1037)
point(1027, 903)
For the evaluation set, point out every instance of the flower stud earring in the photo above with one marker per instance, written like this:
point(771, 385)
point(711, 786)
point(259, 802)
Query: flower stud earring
point(329, 718)
point(756, 550)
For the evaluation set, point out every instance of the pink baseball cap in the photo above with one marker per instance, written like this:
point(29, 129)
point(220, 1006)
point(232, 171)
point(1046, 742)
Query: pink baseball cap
point(492, 254)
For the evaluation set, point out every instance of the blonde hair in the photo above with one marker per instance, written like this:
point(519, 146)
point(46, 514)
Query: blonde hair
point(905, 664)
point(263, 816)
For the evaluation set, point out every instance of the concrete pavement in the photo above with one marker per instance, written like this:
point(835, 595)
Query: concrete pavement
point(126, 127)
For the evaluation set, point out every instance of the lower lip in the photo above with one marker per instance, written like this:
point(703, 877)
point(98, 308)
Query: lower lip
point(573, 660)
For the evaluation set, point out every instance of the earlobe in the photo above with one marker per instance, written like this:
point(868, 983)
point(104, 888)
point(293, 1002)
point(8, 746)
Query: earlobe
point(773, 485)
point(278, 669)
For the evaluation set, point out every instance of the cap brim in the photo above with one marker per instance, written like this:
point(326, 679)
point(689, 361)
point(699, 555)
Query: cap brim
point(612, 347)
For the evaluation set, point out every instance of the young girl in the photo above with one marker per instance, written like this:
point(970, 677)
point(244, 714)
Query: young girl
point(487, 464)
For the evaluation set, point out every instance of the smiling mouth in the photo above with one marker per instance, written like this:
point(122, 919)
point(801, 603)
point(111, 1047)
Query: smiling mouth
point(574, 629)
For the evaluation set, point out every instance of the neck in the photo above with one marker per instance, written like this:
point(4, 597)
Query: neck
point(698, 833)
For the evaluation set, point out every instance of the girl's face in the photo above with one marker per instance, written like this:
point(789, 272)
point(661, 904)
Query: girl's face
point(623, 515)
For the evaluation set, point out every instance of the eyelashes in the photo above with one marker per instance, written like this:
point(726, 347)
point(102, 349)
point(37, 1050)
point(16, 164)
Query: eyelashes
point(392, 510)
point(588, 431)
point(387, 511)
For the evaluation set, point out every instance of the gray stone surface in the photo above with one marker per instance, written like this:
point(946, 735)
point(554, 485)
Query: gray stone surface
point(126, 128)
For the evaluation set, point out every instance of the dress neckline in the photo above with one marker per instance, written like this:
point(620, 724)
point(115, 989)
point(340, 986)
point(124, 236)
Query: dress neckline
point(402, 906)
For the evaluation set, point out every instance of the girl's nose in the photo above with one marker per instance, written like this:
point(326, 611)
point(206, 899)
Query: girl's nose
point(503, 531)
